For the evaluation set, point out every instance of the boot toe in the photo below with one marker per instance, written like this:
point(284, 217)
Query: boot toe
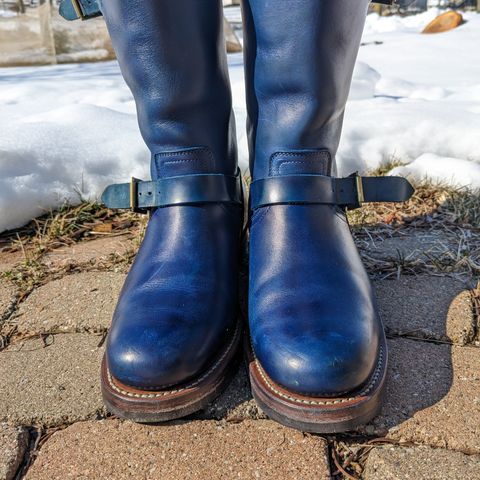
point(330, 365)
point(152, 358)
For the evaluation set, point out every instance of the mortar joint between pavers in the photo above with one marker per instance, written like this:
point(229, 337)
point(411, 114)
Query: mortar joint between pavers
point(475, 292)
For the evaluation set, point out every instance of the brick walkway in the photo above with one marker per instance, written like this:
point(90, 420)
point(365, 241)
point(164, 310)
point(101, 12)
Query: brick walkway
point(53, 423)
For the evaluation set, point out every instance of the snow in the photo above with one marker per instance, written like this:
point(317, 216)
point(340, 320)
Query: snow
point(67, 131)
point(426, 96)
point(7, 14)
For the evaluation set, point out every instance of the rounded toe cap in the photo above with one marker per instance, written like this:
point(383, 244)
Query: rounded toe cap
point(148, 359)
point(330, 366)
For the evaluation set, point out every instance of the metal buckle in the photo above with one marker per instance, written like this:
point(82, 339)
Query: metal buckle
point(134, 195)
point(359, 193)
point(78, 9)
point(359, 186)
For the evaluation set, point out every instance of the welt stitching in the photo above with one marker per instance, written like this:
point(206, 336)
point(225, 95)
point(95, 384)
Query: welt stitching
point(185, 160)
point(321, 154)
point(367, 389)
point(178, 390)
point(300, 154)
point(289, 162)
point(182, 152)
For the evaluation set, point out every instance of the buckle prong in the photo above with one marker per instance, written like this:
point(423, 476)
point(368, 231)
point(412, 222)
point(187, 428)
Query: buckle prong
point(359, 185)
point(78, 9)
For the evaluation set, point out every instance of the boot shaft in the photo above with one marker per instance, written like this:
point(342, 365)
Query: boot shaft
point(172, 56)
point(299, 60)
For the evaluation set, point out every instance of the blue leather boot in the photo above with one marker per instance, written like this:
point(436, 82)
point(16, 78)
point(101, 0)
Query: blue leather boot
point(175, 330)
point(318, 354)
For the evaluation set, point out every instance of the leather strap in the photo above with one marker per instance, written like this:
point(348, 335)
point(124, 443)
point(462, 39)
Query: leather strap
point(75, 9)
point(349, 192)
point(85, 9)
point(182, 190)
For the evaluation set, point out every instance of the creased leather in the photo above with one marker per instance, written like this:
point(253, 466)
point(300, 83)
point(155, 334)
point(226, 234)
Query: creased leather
point(178, 306)
point(312, 314)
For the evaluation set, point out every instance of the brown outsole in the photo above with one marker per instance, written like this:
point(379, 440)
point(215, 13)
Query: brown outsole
point(314, 414)
point(163, 405)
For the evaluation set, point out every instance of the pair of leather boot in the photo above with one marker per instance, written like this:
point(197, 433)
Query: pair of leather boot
point(316, 346)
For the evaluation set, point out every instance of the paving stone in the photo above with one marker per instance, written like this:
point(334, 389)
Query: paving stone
point(51, 385)
point(187, 450)
point(7, 298)
point(13, 442)
point(421, 246)
point(82, 302)
point(236, 403)
point(433, 396)
point(420, 463)
point(430, 307)
point(92, 251)
point(8, 260)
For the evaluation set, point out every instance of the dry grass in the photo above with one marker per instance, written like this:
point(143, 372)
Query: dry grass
point(67, 226)
point(387, 166)
point(453, 213)
point(432, 206)
point(350, 456)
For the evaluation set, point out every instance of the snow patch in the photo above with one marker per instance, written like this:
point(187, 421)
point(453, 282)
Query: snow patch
point(67, 131)
point(62, 155)
point(453, 171)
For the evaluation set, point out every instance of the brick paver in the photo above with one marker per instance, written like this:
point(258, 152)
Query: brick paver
point(89, 252)
point(9, 260)
point(188, 450)
point(82, 302)
point(13, 442)
point(422, 246)
point(7, 298)
point(433, 396)
point(429, 307)
point(420, 463)
point(51, 385)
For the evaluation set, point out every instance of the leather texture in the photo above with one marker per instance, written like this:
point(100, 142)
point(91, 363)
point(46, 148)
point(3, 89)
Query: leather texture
point(319, 189)
point(178, 306)
point(313, 319)
point(181, 190)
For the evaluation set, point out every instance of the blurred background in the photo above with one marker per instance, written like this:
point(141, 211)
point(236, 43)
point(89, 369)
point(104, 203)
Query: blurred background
point(33, 33)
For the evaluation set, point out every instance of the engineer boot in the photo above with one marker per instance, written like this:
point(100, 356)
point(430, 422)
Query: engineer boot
point(175, 330)
point(318, 355)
